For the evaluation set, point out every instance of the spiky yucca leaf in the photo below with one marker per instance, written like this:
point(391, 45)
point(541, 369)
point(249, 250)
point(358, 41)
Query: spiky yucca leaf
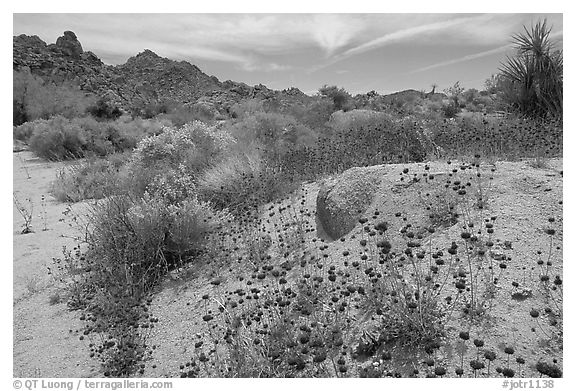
point(534, 77)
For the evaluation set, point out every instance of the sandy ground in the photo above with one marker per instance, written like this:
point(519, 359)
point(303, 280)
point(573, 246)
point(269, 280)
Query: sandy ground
point(43, 343)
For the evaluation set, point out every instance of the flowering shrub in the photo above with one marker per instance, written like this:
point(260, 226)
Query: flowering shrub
point(172, 145)
point(174, 185)
point(169, 162)
point(191, 145)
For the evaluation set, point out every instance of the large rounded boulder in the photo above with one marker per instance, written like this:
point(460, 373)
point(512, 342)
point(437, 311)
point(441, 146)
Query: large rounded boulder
point(342, 200)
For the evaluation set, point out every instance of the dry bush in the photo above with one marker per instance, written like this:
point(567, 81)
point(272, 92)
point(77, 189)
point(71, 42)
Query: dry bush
point(93, 178)
point(315, 116)
point(277, 133)
point(247, 108)
point(34, 99)
point(240, 180)
point(131, 244)
point(184, 114)
point(60, 139)
point(355, 119)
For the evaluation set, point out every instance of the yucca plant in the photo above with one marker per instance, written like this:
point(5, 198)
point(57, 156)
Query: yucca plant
point(533, 78)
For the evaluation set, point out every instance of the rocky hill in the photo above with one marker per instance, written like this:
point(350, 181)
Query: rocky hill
point(148, 78)
point(143, 79)
point(64, 60)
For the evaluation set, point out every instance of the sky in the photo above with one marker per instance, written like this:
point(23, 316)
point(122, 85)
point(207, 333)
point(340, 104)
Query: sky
point(359, 52)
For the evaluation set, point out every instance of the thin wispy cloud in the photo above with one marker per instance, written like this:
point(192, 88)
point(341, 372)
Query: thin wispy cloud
point(403, 35)
point(265, 67)
point(409, 33)
point(200, 52)
point(469, 57)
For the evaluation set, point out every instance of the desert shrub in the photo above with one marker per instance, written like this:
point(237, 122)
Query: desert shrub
point(101, 139)
point(19, 115)
point(172, 184)
point(194, 144)
point(131, 236)
point(183, 114)
point(481, 103)
point(355, 119)
point(34, 98)
point(241, 180)
point(138, 128)
point(358, 138)
point(171, 146)
point(153, 109)
point(103, 109)
point(159, 160)
point(314, 115)
point(58, 139)
point(469, 95)
point(408, 104)
point(93, 178)
point(454, 93)
point(131, 244)
point(174, 228)
point(341, 99)
point(115, 136)
point(388, 138)
point(214, 142)
point(372, 101)
point(432, 109)
point(156, 154)
point(401, 326)
point(247, 108)
point(148, 110)
point(276, 133)
point(24, 132)
point(508, 137)
point(450, 110)
point(136, 235)
point(191, 221)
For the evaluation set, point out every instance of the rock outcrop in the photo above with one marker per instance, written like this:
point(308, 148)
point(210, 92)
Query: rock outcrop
point(69, 45)
point(144, 79)
point(341, 201)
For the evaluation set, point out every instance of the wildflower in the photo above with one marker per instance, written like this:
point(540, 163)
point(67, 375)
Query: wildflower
point(490, 355)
